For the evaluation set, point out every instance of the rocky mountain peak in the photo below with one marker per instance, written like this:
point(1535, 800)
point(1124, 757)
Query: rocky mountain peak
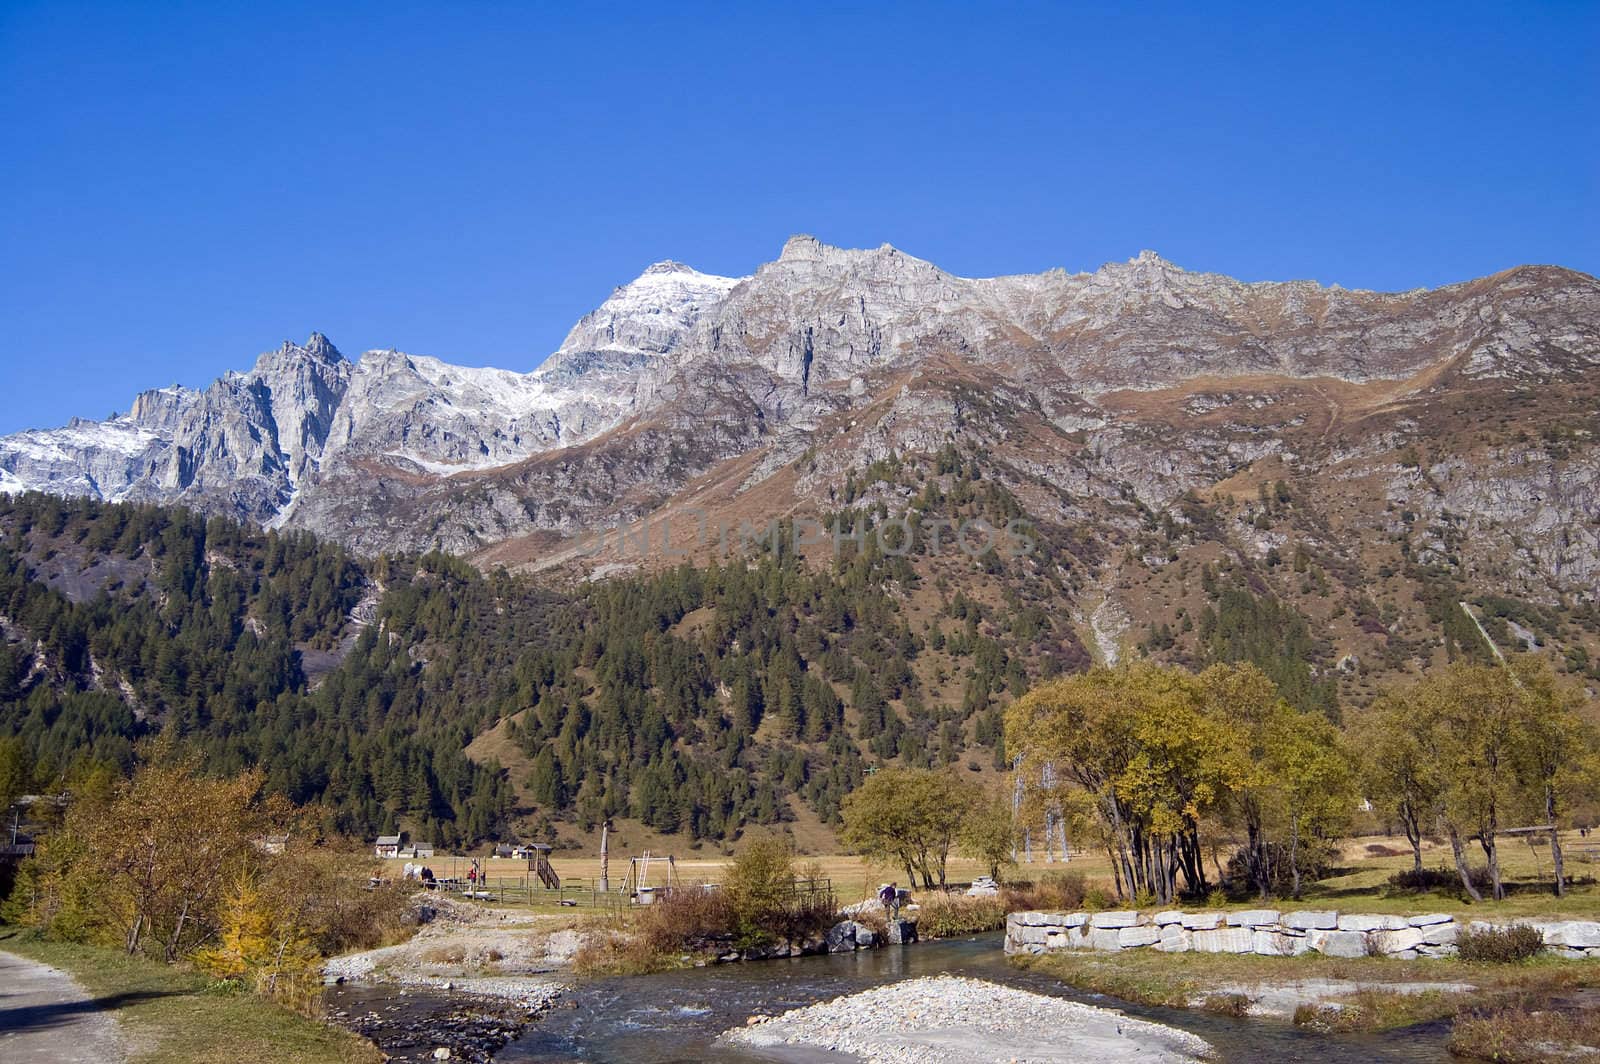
point(319, 346)
point(801, 246)
point(678, 369)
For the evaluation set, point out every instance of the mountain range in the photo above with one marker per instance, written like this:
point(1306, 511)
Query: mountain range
point(1158, 418)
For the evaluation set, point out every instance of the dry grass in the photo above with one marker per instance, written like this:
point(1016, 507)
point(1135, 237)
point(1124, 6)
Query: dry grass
point(957, 915)
point(1152, 978)
point(1527, 1036)
point(1357, 883)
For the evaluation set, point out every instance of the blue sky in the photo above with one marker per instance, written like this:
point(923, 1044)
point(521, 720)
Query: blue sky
point(185, 185)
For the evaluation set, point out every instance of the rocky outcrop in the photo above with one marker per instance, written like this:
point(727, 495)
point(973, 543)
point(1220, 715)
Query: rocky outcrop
point(849, 356)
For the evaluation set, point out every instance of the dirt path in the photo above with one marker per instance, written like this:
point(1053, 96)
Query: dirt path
point(47, 1018)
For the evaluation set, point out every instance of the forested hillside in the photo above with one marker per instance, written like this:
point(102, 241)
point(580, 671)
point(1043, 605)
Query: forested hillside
point(421, 693)
point(695, 700)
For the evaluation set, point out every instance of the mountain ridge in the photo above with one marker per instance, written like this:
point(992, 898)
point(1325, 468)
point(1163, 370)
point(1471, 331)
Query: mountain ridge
point(678, 371)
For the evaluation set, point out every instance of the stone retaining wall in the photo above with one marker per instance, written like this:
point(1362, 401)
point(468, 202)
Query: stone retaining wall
point(1271, 933)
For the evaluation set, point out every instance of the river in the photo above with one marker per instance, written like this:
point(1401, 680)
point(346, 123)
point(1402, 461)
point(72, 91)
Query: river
point(675, 1017)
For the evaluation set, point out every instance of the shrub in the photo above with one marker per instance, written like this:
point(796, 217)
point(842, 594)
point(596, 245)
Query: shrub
point(1056, 891)
point(1441, 880)
point(1314, 856)
point(686, 919)
point(1501, 945)
point(948, 917)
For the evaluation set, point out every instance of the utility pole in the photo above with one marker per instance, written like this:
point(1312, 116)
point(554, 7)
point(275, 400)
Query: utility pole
point(605, 857)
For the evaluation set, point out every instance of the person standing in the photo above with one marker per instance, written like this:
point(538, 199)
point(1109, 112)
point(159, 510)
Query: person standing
point(890, 896)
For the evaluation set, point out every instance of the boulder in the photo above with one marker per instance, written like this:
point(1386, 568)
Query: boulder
point(1436, 951)
point(1170, 916)
point(1253, 918)
point(1312, 920)
point(1175, 939)
point(1225, 940)
point(1370, 922)
point(866, 937)
point(1106, 939)
point(841, 937)
point(1125, 918)
point(1201, 921)
point(1144, 935)
point(1338, 943)
point(901, 932)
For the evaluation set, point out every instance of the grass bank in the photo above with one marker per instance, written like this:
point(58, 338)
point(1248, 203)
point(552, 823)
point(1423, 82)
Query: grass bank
point(171, 1015)
point(1530, 1011)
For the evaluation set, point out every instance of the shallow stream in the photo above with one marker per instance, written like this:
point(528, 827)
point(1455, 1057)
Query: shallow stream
point(675, 1017)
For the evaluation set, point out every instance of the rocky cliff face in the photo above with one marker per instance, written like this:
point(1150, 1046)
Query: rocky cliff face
point(1099, 398)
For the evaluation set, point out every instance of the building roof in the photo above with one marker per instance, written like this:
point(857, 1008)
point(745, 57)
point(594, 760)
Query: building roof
point(388, 840)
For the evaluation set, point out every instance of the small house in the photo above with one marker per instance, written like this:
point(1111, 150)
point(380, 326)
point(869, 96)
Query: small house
point(423, 849)
point(505, 849)
point(387, 846)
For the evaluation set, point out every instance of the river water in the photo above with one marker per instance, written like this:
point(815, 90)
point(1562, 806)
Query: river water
point(675, 1017)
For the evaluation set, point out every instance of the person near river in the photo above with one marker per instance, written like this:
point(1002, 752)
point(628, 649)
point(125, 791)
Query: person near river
point(890, 896)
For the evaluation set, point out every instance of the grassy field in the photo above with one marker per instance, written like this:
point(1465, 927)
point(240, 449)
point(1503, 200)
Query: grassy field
point(173, 1016)
point(1357, 882)
point(852, 877)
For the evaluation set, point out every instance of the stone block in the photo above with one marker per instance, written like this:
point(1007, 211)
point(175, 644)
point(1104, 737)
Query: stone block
point(1105, 939)
point(901, 932)
point(1574, 934)
point(1441, 934)
point(1370, 922)
point(1124, 918)
point(1312, 920)
point(1339, 943)
point(1253, 918)
point(1225, 940)
point(1390, 943)
point(1201, 921)
point(1430, 919)
point(1170, 916)
point(1143, 935)
point(1175, 939)
point(1276, 944)
point(1037, 919)
point(1023, 936)
point(1074, 919)
point(1436, 951)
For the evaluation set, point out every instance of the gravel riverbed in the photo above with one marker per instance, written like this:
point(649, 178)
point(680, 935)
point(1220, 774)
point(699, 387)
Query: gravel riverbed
point(954, 1020)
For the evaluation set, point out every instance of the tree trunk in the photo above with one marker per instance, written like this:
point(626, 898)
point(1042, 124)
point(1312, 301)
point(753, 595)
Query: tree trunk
point(1555, 841)
point(133, 933)
point(1413, 829)
point(1294, 856)
point(1491, 853)
point(1460, 856)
